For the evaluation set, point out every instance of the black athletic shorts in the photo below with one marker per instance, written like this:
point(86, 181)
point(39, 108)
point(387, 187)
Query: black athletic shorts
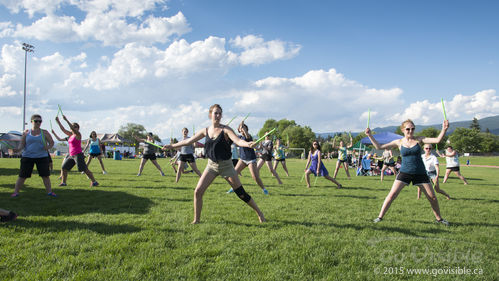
point(94, 154)
point(42, 165)
point(416, 179)
point(280, 160)
point(342, 161)
point(266, 157)
point(389, 164)
point(187, 158)
point(50, 157)
point(454, 169)
point(149, 156)
point(234, 162)
point(78, 159)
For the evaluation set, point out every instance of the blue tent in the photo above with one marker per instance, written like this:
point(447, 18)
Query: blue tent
point(382, 138)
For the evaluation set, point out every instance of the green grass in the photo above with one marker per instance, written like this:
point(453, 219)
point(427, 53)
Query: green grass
point(138, 228)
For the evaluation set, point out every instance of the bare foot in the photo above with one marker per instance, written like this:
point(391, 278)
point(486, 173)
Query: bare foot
point(448, 198)
point(194, 222)
point(261, 219)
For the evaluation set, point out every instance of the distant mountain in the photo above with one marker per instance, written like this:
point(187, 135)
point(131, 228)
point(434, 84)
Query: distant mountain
point(492, 123)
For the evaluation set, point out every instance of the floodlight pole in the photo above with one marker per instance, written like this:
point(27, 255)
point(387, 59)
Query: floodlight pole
point(27, 48)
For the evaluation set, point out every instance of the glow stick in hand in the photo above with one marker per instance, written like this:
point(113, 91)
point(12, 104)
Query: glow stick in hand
point(51, 125)
point(315, 181)
point(60, 109)
point(443, 108)
point(303, 176)
point(159, 146)
point(260, 139)
point(246, 116)
point(231, 120)
point(368, 117)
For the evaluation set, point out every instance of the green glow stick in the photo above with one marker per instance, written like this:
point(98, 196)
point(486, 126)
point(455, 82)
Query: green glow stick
point(231, 120)
point(246, 116)
point(368, 117)
point(350, 134)
point(287, 136)
point(60, 109)
point(153, 144)
point(6, 144)
point(303, 176)
point(260, 139)
point(436, 146)
point(43, 137)
point(443, 108)
point(193, 130)
point(315, 181)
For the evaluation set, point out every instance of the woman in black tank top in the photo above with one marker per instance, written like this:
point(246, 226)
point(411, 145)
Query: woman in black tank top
point(218, 151)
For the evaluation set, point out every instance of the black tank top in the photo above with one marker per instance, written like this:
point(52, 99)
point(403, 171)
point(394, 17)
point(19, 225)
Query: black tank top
point(217, 149)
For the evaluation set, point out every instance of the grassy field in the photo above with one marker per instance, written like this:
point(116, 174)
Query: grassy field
point(138, 228)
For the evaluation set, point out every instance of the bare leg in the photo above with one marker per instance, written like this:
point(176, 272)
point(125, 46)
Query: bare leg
point(383, 172)
point(180, 170)
point(275, 164)
point(333, 180)
point(101, 163)
point(336, 169)
point(394, 192)
point(90, 175)
point(64, 176)
point(260, 163)
point(89, 160)
point(273, 172)
point(419, 192)
point(283, 163)
point(438, 189)
point(235, 183)
point(428, 191)
point(256, 175)
point(195, 168)
point(47, 184)
point(345, 165)
point(447, 173)
point(141, 166)
point(157, 166)
point(307, 177)
point(19, 183)
point(203, 183)
point(458, 174)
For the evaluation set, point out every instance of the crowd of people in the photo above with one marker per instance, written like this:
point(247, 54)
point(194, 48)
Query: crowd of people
point(229, 153)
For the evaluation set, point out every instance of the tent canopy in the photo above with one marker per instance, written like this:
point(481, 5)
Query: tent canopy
point(382, 138)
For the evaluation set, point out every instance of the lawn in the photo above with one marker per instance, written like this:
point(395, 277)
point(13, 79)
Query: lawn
point(138, 228)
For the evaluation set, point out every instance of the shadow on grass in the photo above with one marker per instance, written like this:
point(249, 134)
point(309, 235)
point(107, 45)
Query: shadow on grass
point(62, 226)
point(9, 171)
point(361, 188)
point(300, 195)
point(357, 197)
point(476, 199)
point(483, 224)
point(34, 202)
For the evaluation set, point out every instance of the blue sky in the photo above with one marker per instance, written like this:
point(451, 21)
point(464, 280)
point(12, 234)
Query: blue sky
point(322, 63)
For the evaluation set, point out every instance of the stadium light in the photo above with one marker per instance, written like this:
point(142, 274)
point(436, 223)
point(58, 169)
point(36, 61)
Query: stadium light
point(27, 48)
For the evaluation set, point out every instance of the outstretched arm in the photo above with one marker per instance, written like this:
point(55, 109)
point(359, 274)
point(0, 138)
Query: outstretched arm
point(239, 142)
point(57, 137)
point(445, 126)
point(392, 144)
point(199, 135)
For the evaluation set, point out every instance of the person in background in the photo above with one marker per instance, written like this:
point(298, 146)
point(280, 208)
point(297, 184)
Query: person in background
point(149, 153)
point(95, 150)
point(452, 161)
point(432, 168)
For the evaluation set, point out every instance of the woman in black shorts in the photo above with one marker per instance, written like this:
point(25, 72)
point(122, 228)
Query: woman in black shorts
point(186, 156)
point(266, 157)
point(149, 153)
point(452, 164)
point(36, 142)
point(218, 152)
point(388, 162)
point(413, 169)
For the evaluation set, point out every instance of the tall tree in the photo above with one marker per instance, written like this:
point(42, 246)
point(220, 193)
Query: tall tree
point(475, 125)
point(433, 133)
point(130, 129)
point(466, 140)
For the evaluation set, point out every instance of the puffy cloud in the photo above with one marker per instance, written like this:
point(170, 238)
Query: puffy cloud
point(32, 6)
point(5, 88)
point(258, 51)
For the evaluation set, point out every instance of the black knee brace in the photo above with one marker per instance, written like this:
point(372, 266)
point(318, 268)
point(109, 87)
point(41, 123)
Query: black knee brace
point(241, 193)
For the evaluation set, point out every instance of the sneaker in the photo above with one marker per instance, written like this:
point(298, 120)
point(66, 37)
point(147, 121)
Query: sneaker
point(15, 194)
point(83, 172)
point(376, 220)
point(94, 184)
point(104, 172)
point(444, 222)
point(138, 175)
point(266, 192)
point(63, 184)
point(230, 190)
point(51, 194)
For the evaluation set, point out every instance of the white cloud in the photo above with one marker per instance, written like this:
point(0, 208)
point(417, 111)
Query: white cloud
point(258, 51)
point(5, 88)
point(32, 6)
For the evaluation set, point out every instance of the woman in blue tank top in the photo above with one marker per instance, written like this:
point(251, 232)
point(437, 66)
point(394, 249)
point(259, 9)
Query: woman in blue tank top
point(412, 169)
point(94, 143)
point(218, 152)
point(36, 143)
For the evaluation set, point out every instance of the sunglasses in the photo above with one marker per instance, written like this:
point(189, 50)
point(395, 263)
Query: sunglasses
point(426, 148)
point(410, 129)
point(37, 121)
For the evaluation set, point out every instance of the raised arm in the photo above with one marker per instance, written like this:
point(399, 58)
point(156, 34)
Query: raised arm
point(392, 144)
point(62, 127)
point(351, 142)
point(445, 126)
point(86, 146)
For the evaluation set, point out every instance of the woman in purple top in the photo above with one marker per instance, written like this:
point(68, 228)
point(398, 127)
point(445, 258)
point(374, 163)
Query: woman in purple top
point(316, 166)
point(76, 155)
point(35, 142)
